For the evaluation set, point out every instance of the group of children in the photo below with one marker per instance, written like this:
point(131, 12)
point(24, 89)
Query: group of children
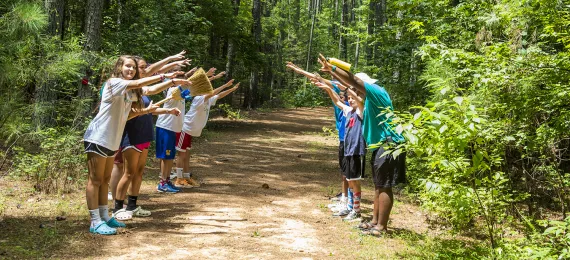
point(119, 136)
point(360, 113)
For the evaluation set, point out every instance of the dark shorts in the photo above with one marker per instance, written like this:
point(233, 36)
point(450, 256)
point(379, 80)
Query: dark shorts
point(354, 167)
point(98, 149)
point(388, 171)
point(341, 157)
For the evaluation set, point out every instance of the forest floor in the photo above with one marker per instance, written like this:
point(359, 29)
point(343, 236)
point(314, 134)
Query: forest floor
point(231, 216)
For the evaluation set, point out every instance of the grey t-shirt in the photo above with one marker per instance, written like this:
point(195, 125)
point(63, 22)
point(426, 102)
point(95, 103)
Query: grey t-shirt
point(107, 127)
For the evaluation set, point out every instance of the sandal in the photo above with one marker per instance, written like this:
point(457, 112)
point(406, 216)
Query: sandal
point(374, 232)
point(103, 229)
point(123, 214)
point(115, 224)
point(365, 225)
point(140, 212)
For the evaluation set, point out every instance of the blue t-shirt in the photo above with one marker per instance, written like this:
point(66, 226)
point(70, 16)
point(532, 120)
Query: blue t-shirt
point(339, 117)
point(354, 143)
point(139, 130)
point(375, 126)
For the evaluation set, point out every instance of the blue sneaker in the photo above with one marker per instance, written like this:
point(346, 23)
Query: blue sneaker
point(165, 188)
point(172, 186)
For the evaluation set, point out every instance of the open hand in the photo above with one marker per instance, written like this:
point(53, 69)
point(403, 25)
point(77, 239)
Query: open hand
point(182, 82)
point(325, 65)
point(178, 56)
point(211, 72)
point(151, 107)
point(183, 63)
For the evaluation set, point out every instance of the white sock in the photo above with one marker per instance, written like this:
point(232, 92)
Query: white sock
point(179, 173)
point(104, 213)
point(95, 217)
point(187, 175)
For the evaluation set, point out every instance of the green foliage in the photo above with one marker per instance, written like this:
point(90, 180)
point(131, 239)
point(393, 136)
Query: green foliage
point(231, 113)
point(57, 165)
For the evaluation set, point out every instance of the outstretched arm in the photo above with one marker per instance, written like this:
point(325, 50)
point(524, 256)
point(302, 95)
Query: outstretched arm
point(172, 111)
point(138, 112)
point(157, 65)
point(155, 89)
point(227, 92)
point(220, 88)
point(139, 83)
point(221, 74)
point(172, 65)
point(334, 96)
point(344, 77)
point(300, 71)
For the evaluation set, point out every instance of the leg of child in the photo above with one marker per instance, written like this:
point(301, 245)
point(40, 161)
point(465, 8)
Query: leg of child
point(136, 183)
point(116, 176)
point(131, 161)
point(104, 189)
point(165, 168)
point(180, 161)
point(357, 194)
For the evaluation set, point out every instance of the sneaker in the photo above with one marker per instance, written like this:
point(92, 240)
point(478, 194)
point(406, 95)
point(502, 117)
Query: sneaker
point(110, 196)
point(352, 216)
point(173, 175)
point(165, 188)
point(192, 182)
point(172, 186)
point(183, 183)
point(341, 213)
point(339, 206)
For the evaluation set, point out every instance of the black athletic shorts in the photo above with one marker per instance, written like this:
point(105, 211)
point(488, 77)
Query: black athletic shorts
point(98, 149)
point(341, 157)
point(354, 167)
point(388, 171)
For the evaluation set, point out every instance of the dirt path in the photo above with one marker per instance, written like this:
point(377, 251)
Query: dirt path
point(231, 216)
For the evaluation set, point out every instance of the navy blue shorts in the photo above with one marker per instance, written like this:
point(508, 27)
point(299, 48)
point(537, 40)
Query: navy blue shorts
point(165, 144)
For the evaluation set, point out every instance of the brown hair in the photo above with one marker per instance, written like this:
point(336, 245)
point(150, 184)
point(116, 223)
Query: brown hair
point(118, 73)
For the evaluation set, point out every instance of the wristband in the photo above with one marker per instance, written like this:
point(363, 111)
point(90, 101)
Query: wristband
point(333, 68)
point(161, 77)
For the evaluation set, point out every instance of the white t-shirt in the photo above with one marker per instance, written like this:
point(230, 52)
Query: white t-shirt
point(172, 122)
point(106, 129)
point(196, 118)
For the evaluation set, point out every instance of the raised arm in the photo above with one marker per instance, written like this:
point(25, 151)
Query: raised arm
point(334, 96)
point(220, 88)
point(138, 112)
point(344, 77)
point(139, 83)
point(173, 65)
point(300, 71)
point(227, 92)
point(155, 89)
point(221, 74)
point(157, 65)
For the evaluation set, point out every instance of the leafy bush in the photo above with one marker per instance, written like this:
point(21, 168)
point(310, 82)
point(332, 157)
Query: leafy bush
point(56, 164)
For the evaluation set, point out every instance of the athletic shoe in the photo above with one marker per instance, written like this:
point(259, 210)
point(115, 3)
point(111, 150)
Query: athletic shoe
point(173, 175)
point(183, 183)
point(341, 213)
point(339, 206)
point(192, 182)
point(352, 216)
point(165, 188)
point(172, 186)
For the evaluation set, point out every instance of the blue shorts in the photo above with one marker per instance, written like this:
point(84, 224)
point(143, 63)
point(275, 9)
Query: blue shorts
point(165, 144)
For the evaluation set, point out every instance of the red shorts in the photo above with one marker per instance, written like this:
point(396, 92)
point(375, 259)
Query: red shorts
point(183, 142)
point(139, 148)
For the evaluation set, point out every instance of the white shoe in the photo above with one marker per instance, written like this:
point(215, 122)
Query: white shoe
point(110, 196)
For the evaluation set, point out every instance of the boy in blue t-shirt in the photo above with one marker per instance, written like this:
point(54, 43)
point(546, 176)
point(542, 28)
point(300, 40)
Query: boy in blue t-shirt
point(388, 171)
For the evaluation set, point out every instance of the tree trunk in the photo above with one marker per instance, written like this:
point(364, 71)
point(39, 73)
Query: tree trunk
point(45, 94)
point(380, 14)
point(370, 37)
point(55, 9)
point(311, 37)
point(250, 100)
point(93, 21)
point(342, 45)
point(231, 51)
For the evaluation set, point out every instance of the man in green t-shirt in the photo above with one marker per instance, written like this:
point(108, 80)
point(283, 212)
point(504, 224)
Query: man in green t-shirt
point(387, 171)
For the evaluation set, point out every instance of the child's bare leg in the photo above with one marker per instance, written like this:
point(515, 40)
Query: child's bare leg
point(96, 165)
point(131, 161)
point(136, 183)
point(376, 206)
point(116, 176)
point(165, 168)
